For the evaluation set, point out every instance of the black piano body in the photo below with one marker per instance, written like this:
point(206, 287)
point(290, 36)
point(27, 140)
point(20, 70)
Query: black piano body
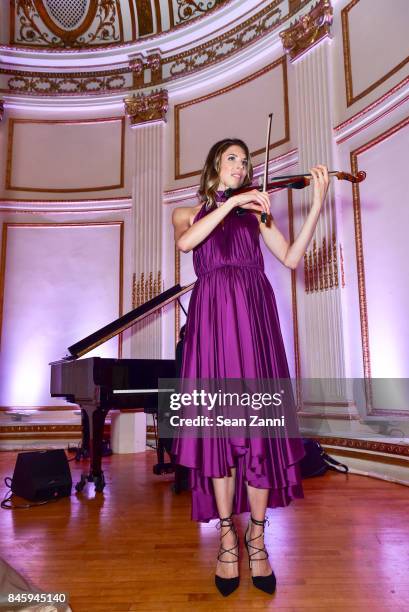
point(100, 384)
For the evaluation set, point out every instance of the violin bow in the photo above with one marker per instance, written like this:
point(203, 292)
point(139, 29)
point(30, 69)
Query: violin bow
point(265, 173)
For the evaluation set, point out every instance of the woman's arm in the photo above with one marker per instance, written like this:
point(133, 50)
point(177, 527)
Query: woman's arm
point(189, 234)
point(291, 254)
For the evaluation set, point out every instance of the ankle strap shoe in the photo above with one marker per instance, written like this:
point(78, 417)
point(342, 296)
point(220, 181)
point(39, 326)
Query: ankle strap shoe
point(264, 583)
point(226, 586)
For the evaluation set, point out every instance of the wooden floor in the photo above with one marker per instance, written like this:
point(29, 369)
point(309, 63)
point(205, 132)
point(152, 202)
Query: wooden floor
point(345, 547)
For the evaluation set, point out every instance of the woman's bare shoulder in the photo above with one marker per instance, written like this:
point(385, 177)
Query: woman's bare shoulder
point(185, 214)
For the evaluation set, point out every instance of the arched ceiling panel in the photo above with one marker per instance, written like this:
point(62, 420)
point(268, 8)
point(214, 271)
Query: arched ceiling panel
point(87, 23)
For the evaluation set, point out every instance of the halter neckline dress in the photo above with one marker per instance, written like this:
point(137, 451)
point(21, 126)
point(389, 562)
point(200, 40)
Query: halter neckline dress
point(233, 331)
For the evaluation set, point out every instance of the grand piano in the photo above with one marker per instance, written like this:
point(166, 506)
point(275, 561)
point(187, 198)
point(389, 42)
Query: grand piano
point(99, 384)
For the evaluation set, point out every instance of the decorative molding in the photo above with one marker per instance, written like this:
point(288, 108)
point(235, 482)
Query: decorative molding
point(137, 76)
point(347, 404)
point(189, 9)
point(1, 110)
point(146, 70)
point(179, 107)
point(227, 44)
point(321, 266)
point(60, 428)
point(391, 92)
point(351, 98)
point(3, 256)
point(144, 289)
point(63, 206)
point(296, 338)
point(154, 64)
point(360, 263)
point(367, 456)
point(32, 25)
point(137, 67)
point(10, 144)
point(370, 121)
point(337, 416)
point(147, 108)
point(308, 30)
point(341, 265)
point(368, 445)
point(294, 5)
point(214, 6)
point(67, 83)
point(40, 432)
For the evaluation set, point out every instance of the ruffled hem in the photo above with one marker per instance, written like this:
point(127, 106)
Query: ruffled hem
point(281, 476)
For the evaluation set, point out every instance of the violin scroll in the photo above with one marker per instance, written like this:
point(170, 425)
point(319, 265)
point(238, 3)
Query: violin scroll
point(357, 178)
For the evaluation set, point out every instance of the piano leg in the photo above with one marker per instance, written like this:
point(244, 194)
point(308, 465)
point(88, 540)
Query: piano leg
point(83, 452)
point(96, 418)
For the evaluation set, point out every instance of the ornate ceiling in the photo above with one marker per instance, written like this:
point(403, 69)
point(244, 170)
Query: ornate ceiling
point(117, 47)
point(86, 23)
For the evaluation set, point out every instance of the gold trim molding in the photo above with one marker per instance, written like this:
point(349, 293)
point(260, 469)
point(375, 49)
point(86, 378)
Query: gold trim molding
point(146, 70)
point(351, 98)
point(32, 26)
point(139, 73)
point(297, 354)
point(308, 30)
point(281, 61)
point(10, 146)
point(321, 266)
point(366, 445)
point(67, 83)
point(4, 429)
point(146, 288)
point(360, 262)
point(147, 108)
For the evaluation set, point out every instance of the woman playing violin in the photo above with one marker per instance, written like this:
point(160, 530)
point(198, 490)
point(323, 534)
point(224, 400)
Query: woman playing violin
point(233, 331)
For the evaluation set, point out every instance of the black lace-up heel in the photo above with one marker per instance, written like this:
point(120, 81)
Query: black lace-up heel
point(264, 583)
point(226, 586)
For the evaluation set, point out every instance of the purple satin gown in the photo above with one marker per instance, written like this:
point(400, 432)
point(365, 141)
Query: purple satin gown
point(233, 331)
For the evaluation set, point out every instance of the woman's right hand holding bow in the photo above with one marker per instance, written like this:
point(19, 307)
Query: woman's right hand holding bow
point(258, 201)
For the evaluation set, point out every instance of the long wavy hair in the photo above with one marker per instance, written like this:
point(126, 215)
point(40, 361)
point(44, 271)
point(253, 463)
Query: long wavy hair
point(209, 179)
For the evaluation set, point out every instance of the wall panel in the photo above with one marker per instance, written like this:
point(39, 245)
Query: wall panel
point(65, 156)
point(59, 283)
point(383, 28)
point(231, 112)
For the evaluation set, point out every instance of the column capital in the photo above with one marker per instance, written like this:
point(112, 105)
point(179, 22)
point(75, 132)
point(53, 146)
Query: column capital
point(308, 29)
point(147, 108)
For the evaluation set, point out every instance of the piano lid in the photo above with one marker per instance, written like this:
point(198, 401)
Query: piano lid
point(114, 328)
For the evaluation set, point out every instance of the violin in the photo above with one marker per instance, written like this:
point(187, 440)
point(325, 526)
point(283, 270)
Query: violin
point(291, 181)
